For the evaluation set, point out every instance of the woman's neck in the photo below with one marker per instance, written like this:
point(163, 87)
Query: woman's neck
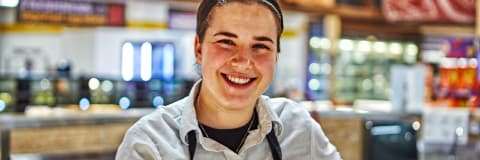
point(211, 113)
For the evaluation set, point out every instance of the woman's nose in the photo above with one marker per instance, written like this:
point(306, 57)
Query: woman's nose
point(242, 61)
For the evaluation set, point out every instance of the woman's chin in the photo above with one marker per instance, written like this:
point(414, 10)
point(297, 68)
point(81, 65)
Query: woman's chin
point(239, 104)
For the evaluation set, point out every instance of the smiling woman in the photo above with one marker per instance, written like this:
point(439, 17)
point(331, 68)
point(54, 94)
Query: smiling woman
point(230, 54)
point(237, 44)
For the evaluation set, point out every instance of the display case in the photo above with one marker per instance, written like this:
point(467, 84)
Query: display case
point(353, 67)
point(363, 68)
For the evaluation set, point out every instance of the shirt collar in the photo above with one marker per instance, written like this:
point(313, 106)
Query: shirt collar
point(267, 117)
point(189, 118)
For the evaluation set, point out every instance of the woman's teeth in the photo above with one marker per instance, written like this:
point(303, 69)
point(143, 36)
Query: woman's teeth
point(238, 80)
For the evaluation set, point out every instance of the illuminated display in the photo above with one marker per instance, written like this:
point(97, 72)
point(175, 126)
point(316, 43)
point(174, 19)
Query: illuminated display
point(127, 61)
point(148, 60)
point(74, 13)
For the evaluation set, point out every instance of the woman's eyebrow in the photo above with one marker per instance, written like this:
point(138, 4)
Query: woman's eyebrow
point(227, 34)
point(232, 35)
point(263, 38)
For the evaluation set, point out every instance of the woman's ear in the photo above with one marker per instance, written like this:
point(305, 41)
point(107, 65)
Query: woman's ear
point(198, 50)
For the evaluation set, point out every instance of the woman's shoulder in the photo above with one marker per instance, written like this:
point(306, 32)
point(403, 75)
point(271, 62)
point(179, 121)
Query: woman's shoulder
point(287, 110)
point(294, 119)
point(155, 134)
point(163, 117)
point(282, 106)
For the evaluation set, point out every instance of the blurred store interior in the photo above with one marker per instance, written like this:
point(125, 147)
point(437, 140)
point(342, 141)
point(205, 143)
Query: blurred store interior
point(386, 79)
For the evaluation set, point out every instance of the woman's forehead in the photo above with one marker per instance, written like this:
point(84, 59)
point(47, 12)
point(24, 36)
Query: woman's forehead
point(253, 18)
point(246, 6)
point(242, 12)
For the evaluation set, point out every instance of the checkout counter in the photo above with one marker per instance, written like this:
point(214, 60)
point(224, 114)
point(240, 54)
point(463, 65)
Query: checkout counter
point(357, 135)
point(79, 136)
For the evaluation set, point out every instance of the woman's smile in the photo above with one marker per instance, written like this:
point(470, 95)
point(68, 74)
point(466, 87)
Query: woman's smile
point(238, 81)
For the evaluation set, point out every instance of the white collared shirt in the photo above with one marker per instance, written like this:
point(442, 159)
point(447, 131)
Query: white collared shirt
point(162, 134)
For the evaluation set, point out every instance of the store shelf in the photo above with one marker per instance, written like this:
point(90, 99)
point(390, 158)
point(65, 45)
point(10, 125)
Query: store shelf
point(345, 11)
point(447, 30)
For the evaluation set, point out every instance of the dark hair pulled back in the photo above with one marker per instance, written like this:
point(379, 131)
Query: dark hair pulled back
point(206, 6)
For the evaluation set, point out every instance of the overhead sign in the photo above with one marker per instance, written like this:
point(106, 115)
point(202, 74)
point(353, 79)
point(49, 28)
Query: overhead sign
point(462, 11)
point(74, 13)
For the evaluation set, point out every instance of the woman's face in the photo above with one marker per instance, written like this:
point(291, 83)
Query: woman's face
point(238, 53)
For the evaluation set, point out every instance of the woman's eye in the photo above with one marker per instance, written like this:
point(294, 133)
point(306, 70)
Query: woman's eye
point(226, 41)
point(261, 46)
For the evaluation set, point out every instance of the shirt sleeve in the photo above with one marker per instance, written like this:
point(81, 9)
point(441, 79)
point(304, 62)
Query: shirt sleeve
point(135, 146)
point(321, 148)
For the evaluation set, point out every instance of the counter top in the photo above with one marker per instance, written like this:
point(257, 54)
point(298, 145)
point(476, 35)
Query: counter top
point(10, 121)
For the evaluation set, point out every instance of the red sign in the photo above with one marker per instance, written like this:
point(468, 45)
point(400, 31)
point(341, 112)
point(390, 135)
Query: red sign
point(76, 13)
point(116, 15)
point(462, 11)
